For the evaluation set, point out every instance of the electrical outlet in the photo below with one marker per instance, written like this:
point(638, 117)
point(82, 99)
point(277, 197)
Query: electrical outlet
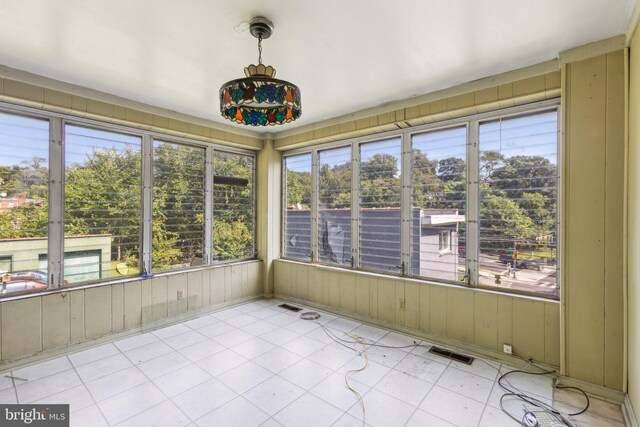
point(401, 304)
point(180, 295)
point(507, 348)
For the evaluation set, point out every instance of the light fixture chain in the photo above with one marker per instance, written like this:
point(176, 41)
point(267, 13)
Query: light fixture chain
point(260, 49)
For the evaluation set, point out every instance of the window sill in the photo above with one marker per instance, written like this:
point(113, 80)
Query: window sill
point(127, 279)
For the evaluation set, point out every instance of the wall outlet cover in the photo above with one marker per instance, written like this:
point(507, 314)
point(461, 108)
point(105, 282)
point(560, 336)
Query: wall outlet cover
point(507, 348)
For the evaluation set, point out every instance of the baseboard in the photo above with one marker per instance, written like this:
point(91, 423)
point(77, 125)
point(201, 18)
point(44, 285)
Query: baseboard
point(601, 392)
point(470, 349)
point(627, 411)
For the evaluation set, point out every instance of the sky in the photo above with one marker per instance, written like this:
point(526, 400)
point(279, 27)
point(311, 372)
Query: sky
point(24, 137)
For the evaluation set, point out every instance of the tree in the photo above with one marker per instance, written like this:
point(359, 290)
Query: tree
point(451, 169)
point(335, 186)
point(102, 196)
point(299, 189)
point(502, 222)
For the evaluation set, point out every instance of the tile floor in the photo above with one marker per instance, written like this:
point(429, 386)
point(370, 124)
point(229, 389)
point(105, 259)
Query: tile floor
point(257, 364)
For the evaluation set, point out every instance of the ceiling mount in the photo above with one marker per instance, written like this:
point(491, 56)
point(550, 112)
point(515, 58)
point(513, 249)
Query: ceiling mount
point(261, 27)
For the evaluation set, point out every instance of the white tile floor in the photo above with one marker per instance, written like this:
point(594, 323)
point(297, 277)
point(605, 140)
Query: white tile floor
point(257, 364)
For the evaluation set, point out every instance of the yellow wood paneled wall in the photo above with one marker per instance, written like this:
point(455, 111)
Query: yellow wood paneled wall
point(45, 322)
point(634, 226)
point(485, 320)
point(593, 220)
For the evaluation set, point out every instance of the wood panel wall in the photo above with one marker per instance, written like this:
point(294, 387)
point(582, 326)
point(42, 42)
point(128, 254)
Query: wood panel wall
point(593, 220)
point(486, 320)
point(45, 322)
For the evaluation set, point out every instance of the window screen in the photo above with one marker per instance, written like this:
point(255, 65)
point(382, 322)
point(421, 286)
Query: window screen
point(380, 189)
point(297, 215)
point(518, 202)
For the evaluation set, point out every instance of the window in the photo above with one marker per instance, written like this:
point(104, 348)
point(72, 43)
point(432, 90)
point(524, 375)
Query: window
point(334, 205)
point(380, 190)
point(178, 205)
point(518, 202)
point(24, 200)
point(102, 204)
point(76, 207)
point(439, 198)
point(473, 202)
point(233, 206)
point(297, 199)
point(444, 242)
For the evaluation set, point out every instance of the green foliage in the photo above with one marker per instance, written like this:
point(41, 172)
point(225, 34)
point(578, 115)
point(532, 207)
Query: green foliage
point(501, 219)
point(299, 189)
point(380, 182)
point(102, 196)
point(233, 240)
point(233, 214)
point(24, 222)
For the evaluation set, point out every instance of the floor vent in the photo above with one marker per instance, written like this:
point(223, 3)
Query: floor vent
point(290, 307)
point(451, 355)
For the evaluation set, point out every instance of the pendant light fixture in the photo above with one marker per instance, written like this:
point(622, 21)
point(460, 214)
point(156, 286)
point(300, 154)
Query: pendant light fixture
point(259, 99)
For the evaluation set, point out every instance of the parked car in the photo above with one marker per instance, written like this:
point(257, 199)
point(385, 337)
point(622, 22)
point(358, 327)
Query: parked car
point(528, 264)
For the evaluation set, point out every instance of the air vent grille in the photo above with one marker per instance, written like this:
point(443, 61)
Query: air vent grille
point(451, 355)
point(290, 307)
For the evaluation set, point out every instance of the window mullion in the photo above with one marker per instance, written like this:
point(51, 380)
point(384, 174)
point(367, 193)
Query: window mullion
point(314, 206)
point(55, 242)
point(147, 202)
point(355, 205)
point(405, 205)
point(473, 202)
point(208, 206)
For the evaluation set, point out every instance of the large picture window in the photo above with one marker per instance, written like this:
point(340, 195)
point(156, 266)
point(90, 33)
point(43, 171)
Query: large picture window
point(178, 205)
point(24, 201)
point(438, 205)
point(473, 202)
point(102, 204)
point(518, 202)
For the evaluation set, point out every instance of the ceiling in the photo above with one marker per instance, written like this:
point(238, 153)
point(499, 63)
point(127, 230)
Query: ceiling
point(344, 55)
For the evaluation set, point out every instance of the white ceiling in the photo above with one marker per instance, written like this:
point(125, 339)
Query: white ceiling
point(345, 55)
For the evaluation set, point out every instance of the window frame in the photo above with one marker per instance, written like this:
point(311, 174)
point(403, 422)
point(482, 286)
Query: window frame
point(56, 192)
point(472, 124)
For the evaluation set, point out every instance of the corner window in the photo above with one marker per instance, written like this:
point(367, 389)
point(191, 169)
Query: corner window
point(233, 206)
point(518, 203)
point(297, 201)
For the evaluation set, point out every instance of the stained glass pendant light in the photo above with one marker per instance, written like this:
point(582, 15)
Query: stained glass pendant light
point(259, 99)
